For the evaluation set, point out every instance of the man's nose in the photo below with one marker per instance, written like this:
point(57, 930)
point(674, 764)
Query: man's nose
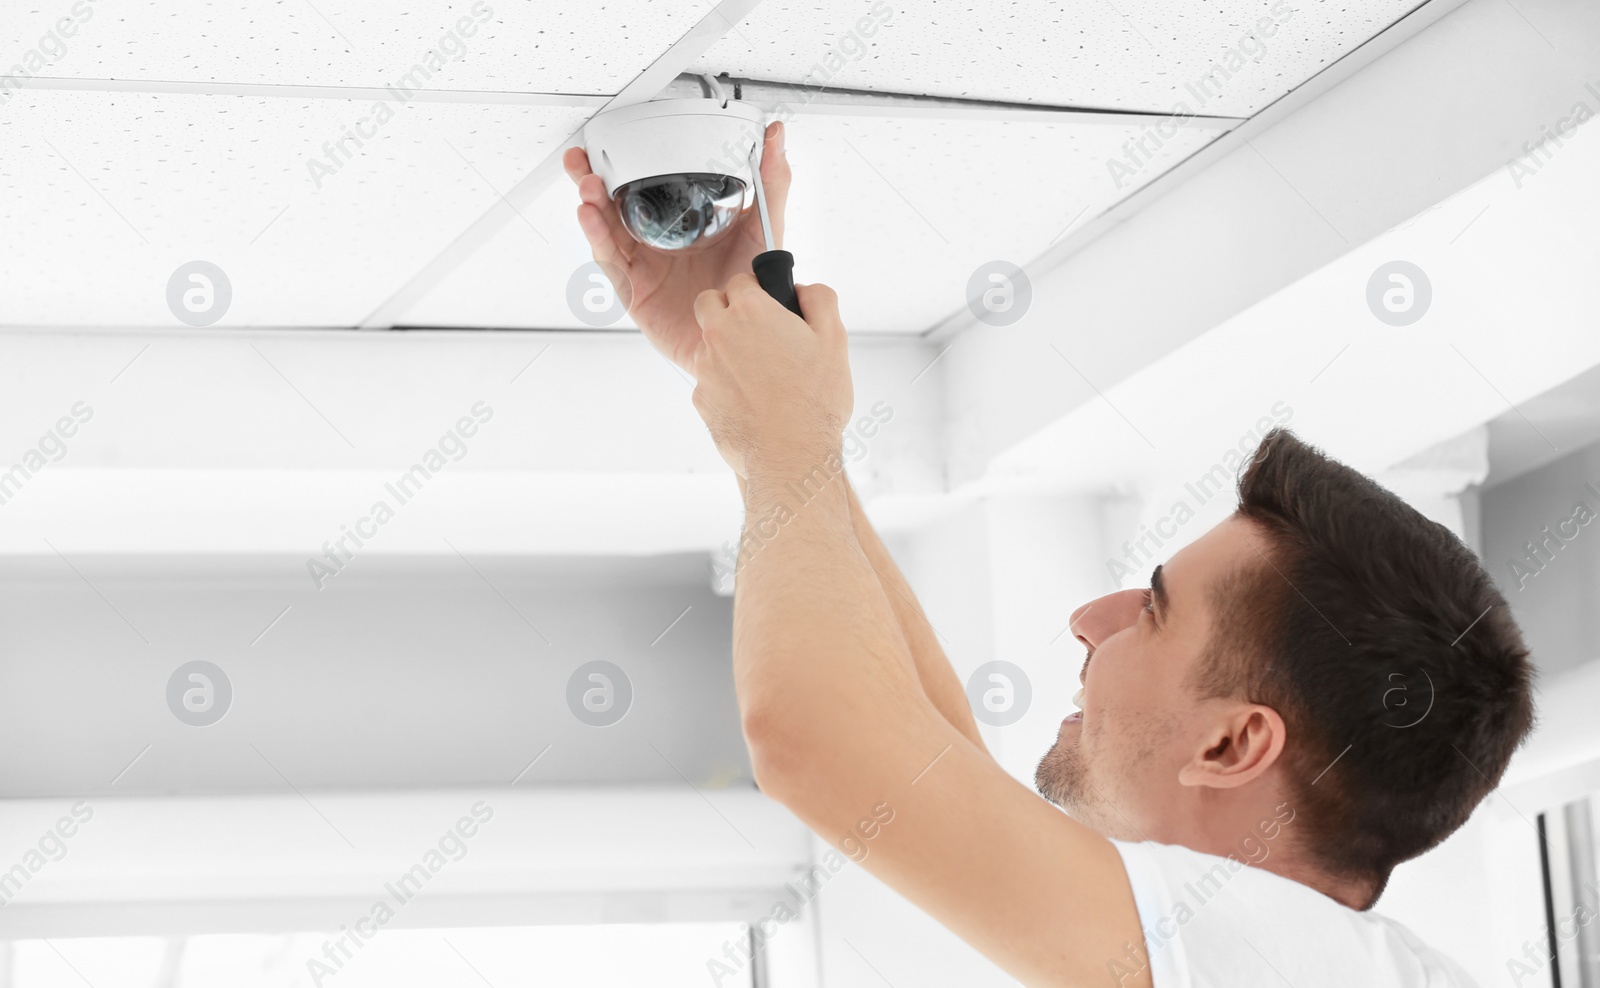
point(1103, 617)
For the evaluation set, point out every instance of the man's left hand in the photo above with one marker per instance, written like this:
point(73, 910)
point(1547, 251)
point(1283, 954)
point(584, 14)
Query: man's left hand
point(774, 389)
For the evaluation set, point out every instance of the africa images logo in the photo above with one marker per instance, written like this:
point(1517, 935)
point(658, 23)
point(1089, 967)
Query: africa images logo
point(452, 46)
point(452, 445)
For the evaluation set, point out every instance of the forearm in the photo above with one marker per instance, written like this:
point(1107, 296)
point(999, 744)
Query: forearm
point(818, 657)
point(939, 680)
point(935, 676)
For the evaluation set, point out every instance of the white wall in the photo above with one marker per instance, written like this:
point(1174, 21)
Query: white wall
point(401, 672)
point(1554, 602)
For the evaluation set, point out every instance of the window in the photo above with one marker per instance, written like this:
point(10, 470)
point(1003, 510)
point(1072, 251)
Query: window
point(1568, 851)
point(667, 955)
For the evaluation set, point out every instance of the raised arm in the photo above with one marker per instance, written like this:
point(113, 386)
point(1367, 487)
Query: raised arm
point(936, 677)
point(839, 726)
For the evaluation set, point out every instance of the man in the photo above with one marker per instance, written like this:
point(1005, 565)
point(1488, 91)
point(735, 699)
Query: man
point(1319, 688)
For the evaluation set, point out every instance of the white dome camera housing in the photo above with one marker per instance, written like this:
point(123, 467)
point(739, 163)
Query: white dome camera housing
point(678, 169)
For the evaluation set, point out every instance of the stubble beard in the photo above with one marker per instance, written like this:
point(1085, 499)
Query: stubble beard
point(1062, 778)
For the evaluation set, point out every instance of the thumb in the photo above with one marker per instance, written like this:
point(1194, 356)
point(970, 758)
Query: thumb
point(821, 307)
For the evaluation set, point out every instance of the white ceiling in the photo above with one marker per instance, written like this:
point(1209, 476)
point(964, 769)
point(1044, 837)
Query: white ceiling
point(1128, 55)
point(104, 195)
point(894, 213)
point(550, 46)
point(104, 192)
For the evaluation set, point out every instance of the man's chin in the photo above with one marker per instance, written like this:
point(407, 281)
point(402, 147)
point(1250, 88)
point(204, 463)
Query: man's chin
point(1059, 778)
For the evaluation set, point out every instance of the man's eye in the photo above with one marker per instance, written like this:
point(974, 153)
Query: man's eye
point(1150, 601)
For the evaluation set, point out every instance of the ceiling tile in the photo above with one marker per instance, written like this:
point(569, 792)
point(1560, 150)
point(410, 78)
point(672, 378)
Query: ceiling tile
point(1131, 55)
point(520, 276)
point(104, 195)
point(552, 46)
point(895, 214)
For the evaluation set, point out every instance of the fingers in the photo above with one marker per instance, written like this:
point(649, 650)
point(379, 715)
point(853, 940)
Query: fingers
point(775, 178)
point(708, 304)
point(819, 303)
point(576, 162)
point(821, 306)
point(591, 187)
point(592, 190)
point(597, 216)
point(744, 285)
point(613, 258)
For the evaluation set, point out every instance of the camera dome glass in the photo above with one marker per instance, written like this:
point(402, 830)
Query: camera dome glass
point(680, 212)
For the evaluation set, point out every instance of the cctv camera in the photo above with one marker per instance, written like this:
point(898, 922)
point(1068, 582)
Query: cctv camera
point(677, 168)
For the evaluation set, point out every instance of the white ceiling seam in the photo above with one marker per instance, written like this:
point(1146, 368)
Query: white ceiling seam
point(656, 77)
point(766, 94)
point(293, 91)
point(770, 95)
point(1136, 55)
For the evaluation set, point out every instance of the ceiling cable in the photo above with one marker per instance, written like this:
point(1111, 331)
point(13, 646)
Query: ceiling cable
point(713, 88)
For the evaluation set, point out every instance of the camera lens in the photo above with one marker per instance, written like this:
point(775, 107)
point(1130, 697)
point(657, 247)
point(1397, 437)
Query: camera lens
point(681, 212)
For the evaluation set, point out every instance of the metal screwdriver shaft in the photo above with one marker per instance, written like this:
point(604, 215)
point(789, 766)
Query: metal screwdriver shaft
point(774, 268)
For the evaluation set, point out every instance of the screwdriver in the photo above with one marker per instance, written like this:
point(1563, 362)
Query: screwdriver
point(774, 268)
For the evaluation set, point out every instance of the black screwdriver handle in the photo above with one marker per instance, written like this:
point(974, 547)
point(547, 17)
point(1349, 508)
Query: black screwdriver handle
point(775, 271)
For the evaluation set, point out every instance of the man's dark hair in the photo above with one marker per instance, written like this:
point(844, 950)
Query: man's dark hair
point(1403, 682)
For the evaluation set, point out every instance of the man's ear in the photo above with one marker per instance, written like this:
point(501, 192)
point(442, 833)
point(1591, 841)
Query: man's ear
point(1242, 744)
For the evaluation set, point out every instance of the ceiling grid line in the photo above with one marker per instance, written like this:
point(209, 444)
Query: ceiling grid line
point(668, 66)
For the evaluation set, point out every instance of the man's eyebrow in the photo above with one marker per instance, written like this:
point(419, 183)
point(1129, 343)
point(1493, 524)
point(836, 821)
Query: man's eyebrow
point(1158, 591)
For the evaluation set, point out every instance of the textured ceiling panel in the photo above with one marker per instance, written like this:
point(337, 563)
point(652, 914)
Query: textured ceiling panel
point(556, 46)
point(1230, 57)
point(520, 277)
point(104, 195)
point(895, 214)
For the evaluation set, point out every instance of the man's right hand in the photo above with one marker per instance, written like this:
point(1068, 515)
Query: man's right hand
point(659, 287)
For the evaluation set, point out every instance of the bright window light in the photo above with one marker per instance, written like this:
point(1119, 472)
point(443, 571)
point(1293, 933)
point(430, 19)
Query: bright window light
point(675, 955)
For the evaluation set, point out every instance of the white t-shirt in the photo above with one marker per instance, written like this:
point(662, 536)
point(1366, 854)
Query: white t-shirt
point(1216, 922)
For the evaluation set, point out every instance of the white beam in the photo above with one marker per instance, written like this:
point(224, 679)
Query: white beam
point(236, 442)
point(131, 863)
point(1416, 125)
